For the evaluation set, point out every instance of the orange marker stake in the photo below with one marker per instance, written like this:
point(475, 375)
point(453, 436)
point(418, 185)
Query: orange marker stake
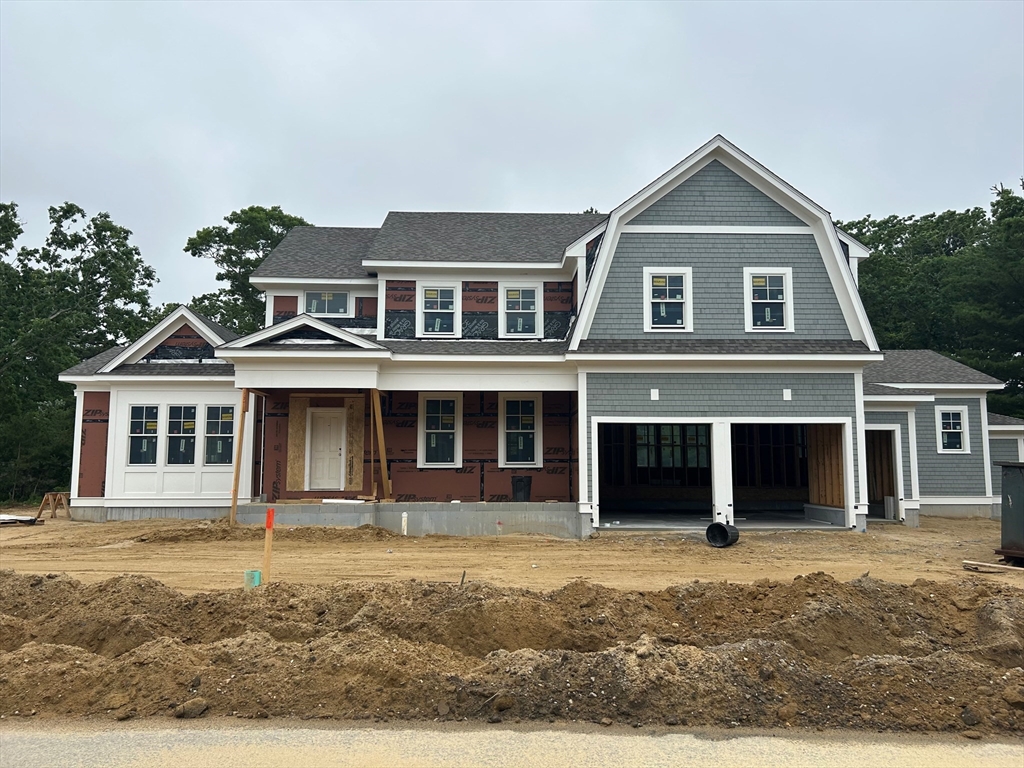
point(268, 542)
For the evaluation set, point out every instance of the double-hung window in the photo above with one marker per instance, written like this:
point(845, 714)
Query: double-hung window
point(327, 303)
point(951, 430)
point(181, 434)
point(142, 430)
point(521, 310)
point(440, 430)
point(668, 299)
point(220, 430)
point(769, 299)
point(520, 439)
point(439, 311)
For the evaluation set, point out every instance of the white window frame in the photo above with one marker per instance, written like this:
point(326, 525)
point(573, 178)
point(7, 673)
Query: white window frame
point(962, 410)
point(156, 436)
point(349, 304)
point(687, 273)
point(195, 433)
point(207, 435)
point(421, 430)
point(538, 439)
point(520, 284)
point(457, 319)
point(748, 298)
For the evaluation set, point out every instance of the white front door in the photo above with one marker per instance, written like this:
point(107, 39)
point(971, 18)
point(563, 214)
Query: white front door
point(326, 456)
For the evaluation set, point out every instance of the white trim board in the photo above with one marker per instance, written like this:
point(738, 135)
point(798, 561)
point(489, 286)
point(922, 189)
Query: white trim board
point(152, 338)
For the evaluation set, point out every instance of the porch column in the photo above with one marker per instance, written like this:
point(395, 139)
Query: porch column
point(721, 472)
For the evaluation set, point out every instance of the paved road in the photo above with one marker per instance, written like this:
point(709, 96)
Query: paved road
point(219, 746)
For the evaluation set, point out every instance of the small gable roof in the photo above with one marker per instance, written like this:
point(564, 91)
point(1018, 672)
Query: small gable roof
point(923, 366)
point(298, 330)
point(517, 238)
point(324, 252)
point(998, 420)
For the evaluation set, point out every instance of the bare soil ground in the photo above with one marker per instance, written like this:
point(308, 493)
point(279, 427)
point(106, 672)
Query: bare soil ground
point(652, 633)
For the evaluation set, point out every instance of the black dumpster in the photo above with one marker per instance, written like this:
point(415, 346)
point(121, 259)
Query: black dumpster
point(1011, 545)
point(521, 488)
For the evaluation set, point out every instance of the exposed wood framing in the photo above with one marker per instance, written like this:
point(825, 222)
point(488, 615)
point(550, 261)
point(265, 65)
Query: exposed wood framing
point(382, 450)
point(881, 479)
point(239, 446)
point(825, 464)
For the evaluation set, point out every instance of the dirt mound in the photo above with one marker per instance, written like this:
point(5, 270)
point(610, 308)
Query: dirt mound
point(812, 651)
point(219, 530)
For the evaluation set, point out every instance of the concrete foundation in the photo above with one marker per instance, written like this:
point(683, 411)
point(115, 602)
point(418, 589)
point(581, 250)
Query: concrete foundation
point(861, 526)
point(957, 510)
point(912, 518)
point(118, 514)
point(823, 514)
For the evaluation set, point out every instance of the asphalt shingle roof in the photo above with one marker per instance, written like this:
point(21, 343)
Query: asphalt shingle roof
point(175, 369)
point(881, 389)
point(527, 238)
point(91, 365)
point(225, 333)
point(922, 366)
point(762, 346)
point(327, 252)
point(998, 420)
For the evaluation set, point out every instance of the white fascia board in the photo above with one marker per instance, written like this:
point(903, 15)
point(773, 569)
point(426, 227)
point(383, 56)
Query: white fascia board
point(858, 250)
point(629, 357)
point(579, 246)
point(269, 283)
point(464, 265)
point(454, 359)
point(692, 229)
point(301, 353)
point(731, 367)
point(1006, 428)
point(149, 340)
point(899, 398)
point(944, 500)
point(972, 389)
point(762, 179)
point(299, 321)
point(103, 382)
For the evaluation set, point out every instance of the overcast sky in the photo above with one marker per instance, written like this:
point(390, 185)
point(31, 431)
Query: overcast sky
point(170, 116)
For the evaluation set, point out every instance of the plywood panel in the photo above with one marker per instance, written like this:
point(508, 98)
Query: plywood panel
point(825, 464)
point(355, 419)
point(275, 446)
point(297, 408)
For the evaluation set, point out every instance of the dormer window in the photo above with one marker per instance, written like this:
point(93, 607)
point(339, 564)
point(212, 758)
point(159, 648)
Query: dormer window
point(439, 310)
point(327, 303)
point(520, 310)
point(668, 299)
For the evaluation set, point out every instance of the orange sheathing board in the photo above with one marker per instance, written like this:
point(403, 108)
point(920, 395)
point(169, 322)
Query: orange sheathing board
point(558, 297)
point(285, 304)
point(174, 339)
point(551, 482)
point(480, 297)
point(400, 294)
point(480, 437)
point(92, 462)
point(366, 306)
point(412, 484)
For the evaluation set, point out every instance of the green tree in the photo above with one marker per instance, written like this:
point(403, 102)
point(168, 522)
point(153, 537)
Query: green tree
point(951, 282)
point(86, 289)
point(237, 249)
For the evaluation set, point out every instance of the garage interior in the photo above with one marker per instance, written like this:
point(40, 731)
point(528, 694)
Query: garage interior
point(660, 475)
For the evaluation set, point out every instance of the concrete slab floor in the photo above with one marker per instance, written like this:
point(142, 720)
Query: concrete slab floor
point(672, 521)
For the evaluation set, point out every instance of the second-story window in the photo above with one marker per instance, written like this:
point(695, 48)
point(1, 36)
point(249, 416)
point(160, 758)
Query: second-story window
point(327, 303)
point(520, 310)
point(769, 300)
point(668, 294)
point(439, 313)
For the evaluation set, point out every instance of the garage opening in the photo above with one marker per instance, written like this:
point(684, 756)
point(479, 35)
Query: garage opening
point(660, 475)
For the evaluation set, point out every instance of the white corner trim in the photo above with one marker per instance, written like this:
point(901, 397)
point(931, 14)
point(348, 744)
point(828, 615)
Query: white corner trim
point(382, 297)
point(456, 286)
point(748, 297)
point(538, 459)
point(582, 430)
point(76, 449)
point(985, 448)
point(687, 273)
point(966, 433)
point(528, 284)
point(421, 430)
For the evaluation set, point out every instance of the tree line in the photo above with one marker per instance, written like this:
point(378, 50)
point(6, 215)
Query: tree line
point(952, 282)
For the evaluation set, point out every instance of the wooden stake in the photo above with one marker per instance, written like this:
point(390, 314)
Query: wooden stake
point(233, 517)
point(382, 450)
point(373, 475)
point(268, 543)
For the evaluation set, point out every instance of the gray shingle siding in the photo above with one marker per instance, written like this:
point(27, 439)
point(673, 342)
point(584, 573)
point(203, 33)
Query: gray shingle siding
point(1001, 449)
point(718, 287)
point(896, 417)
point(950, 474)
point(716, 195)
point(709, 395)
